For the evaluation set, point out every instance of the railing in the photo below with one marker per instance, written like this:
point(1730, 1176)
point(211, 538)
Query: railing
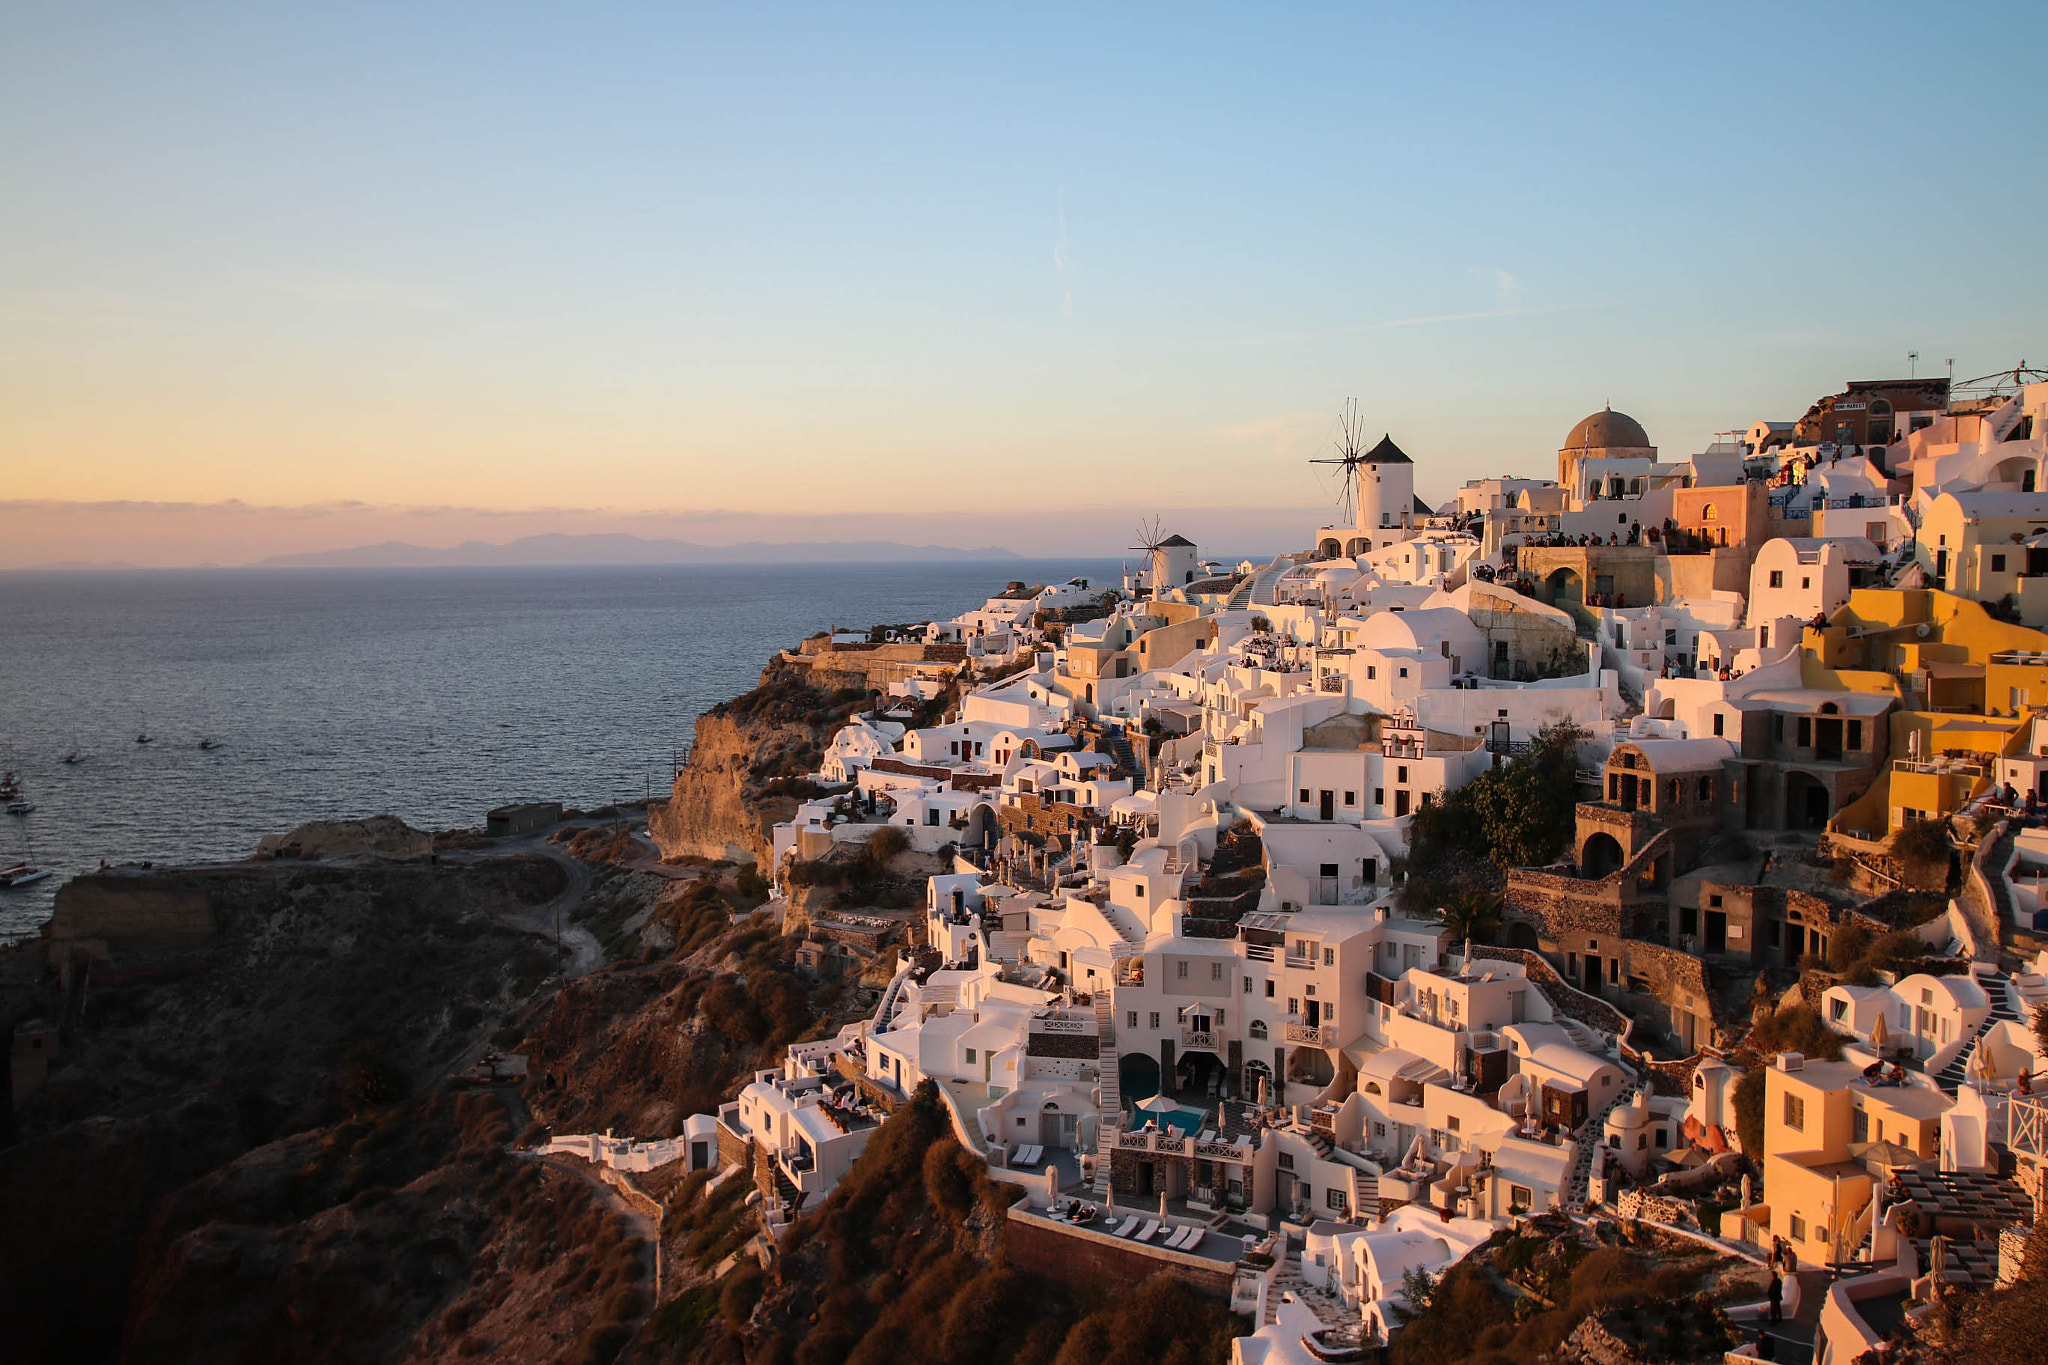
point(1949, 769)
point(1259, 952)
point(1223, 1151)
point(1300, 960)
point(1204, 1039)
point(1311, 1035)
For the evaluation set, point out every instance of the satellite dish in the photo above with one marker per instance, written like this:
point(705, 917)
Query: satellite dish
point(1923, 630)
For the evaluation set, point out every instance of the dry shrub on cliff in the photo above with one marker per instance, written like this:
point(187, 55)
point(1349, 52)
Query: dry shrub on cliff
point(886, 842)
point(1799, 1029)
point(1470, 1320)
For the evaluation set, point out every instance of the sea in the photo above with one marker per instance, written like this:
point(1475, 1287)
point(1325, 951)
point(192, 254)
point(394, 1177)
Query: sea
point(430, 694)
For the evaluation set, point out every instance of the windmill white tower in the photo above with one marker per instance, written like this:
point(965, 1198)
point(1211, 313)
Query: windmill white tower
point(1170, 561)
point(1379, 482)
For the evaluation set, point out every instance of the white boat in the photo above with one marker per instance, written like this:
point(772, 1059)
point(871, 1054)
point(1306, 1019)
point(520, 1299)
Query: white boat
point(10, 786)
point(21, 874)
point(20, 807)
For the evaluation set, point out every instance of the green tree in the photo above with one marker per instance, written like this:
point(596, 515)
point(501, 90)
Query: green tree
point(1471, 912)
point(1749, 1114)
point(1519, 814)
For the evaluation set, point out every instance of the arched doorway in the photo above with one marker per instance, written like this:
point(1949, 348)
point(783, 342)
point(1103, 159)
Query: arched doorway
point(1564, 588)
point(1357, 546)
point(1310, 1066)
point(1807, 805)
point(1197, 1075)
point(1601, 857)
point(981, 825)
point(1523, 935)
point(1329, 549)
point(1254, 1073)
point(1137, 1077)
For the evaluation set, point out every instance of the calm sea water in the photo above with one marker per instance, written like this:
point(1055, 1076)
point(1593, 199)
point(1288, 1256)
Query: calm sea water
point(431, 694)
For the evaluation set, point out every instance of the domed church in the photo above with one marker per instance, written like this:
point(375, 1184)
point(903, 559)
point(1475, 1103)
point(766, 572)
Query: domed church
point(1605, 456)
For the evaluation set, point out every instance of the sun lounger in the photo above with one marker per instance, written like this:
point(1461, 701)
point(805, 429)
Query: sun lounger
point(1151, 1227)
point(1028, 1156)
point(1125, 1228)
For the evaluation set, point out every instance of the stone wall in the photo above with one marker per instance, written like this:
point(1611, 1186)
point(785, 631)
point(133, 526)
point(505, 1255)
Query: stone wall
point(1035, 815)
point(1087, 1261)
point(1656, 1208)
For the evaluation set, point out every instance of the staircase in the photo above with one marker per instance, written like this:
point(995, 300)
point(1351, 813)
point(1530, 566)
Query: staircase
point(1112, 1105)
point(885, 1009)
point(1589, 1146)
point(1118, 746)
point(2003, 1009)
point(1257, 591)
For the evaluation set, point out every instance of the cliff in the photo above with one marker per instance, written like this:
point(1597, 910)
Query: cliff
point(378, 836)
point(746, 765)
point(215, 1012)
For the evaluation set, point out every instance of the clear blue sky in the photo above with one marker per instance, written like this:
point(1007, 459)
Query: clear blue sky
point(814, 259)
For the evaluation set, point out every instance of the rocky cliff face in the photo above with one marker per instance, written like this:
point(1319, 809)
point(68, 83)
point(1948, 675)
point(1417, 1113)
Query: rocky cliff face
point(182, 1049)
point(741, 779)
point(378, 836)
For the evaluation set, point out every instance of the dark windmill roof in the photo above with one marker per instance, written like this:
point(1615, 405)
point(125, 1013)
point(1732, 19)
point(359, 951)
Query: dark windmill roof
point(1176, 541)
point(1423, 508)
point(1386, 452)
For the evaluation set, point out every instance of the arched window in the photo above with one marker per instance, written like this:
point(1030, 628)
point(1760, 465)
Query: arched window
point(1708, 513)
point(1674, 791)
point(1258, 1029)
point(1706, 789)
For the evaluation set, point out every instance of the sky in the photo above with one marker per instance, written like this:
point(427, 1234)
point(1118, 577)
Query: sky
point(326, 275)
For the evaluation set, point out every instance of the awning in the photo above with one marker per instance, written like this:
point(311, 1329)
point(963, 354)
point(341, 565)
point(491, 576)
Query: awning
point(1939, 669)
point(1396, 1063)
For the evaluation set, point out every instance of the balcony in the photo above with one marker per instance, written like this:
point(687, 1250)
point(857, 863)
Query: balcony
point(1311, 1035)
point(1203, 1039)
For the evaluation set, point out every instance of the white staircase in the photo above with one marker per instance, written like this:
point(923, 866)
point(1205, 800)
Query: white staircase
point(885, 1008)
point(1112, 1094)
point(1589, 1146)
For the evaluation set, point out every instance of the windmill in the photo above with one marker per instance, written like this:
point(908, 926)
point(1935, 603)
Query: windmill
point(1351, 453)
point(1150, 539)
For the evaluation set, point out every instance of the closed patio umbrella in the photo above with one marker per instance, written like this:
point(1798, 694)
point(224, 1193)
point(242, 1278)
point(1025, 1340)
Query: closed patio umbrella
point(1879, 1036)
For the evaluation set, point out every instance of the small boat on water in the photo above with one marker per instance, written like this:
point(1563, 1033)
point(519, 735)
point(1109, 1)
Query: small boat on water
point(20, 807)
point(10, 786)
point(74, 758)
point(21, 874)
point(143, 737)
point(209, 742)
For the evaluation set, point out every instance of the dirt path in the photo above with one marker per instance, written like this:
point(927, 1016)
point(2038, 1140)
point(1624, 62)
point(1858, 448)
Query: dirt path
point(638, 1223)
point(580, 950)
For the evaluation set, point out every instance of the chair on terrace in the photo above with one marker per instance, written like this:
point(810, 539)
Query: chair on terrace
point(1146, 1233)
point(1125, 1228)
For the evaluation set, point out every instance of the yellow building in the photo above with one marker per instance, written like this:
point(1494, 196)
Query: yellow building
point(1979, 544)
point(1813, 1187)
point(1966, 683)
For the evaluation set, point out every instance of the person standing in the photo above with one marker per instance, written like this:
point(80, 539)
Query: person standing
point(1776, 1294)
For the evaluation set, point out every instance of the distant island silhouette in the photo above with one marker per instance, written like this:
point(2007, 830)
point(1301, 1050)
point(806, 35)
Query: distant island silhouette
point(616, 548)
